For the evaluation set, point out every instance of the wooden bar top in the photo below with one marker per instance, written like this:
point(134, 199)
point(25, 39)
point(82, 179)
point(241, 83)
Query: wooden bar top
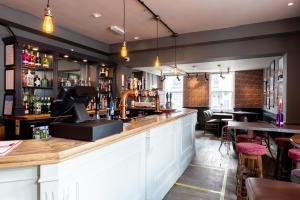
point(54, 150)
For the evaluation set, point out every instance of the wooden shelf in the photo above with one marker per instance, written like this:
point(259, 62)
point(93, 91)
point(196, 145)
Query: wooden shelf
point(41, 88)
point(38, 68)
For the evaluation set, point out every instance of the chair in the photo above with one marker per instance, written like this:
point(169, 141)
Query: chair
point(211, 124)
point(263, 189)
point(283, 167)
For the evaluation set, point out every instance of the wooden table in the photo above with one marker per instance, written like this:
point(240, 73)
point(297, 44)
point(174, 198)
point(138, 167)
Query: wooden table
point(263, 126)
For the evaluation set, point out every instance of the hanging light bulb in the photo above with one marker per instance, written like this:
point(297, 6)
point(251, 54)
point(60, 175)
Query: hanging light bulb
point(48, 26)
point(124, 51)
point(157, 62)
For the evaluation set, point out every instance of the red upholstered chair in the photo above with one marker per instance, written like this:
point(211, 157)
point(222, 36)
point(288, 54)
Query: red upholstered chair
point(252, 154)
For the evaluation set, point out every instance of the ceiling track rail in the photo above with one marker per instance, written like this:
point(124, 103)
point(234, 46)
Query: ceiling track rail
point(155, 16)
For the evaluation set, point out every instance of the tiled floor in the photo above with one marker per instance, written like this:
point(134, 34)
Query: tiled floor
point(211, 175)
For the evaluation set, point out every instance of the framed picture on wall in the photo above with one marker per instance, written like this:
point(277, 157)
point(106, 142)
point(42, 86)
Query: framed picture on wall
point(280, 69)
point(9, 79)
point(9, 55)
point(8, 104)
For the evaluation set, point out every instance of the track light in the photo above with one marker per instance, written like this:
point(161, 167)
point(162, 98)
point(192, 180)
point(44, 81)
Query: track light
point(221, 75)
point(178, 78)
point(188, 76)
point(162, 77)
point(205, 76)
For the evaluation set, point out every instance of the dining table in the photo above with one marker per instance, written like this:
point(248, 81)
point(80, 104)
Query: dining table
point(263, 126)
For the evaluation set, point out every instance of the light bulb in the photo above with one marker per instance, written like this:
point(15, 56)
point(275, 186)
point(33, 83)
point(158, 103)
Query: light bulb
point(48, 26)
point(124, 52)
point(157, 62)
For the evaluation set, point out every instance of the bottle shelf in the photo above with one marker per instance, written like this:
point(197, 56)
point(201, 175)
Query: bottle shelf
point(37, 68)
point(34, 87)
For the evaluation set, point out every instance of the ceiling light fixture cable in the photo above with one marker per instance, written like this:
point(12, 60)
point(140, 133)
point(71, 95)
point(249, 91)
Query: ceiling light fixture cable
point(157, 62)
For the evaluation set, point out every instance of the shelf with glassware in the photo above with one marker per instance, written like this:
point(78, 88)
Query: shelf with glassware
point(37, 81)
point(105, 79)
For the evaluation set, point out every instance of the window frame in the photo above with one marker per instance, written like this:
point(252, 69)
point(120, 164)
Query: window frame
point(233, 94)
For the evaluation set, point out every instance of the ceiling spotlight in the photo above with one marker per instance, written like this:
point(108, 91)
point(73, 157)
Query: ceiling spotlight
point(291, 4)
point(136, 37)
point(35, 48)
point(75, 61)
point(219, 65)
point(71, 49)
point(85, 60)
point(66, 56)
point(178, 78)
point(96, 15)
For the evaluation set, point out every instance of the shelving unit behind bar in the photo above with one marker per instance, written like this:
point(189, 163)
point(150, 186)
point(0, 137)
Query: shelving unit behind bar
point(13, 62)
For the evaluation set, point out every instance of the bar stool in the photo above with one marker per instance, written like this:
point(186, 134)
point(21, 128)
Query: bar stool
point(225, 135)
point(282, 169)
point(294, 154)
point(252, 154)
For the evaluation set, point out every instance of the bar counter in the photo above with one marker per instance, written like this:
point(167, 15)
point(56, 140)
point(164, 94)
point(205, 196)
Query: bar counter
point(55, 150)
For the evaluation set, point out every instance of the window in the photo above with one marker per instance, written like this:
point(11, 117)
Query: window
point(221, 92)
point(171, 84)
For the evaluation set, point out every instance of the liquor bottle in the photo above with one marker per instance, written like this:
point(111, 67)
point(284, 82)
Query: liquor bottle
point(31, 103)
point(29, 79)
point(38, 61)
point(89, 82)
point(106, 72)
point(25, 102)
point(45, 61)
point(31, 59)
point(42, 105)
point(38, 108)
point(25, 57)
point(37, 81)
point(62, 83)
point(48, 105)
point(44, 82)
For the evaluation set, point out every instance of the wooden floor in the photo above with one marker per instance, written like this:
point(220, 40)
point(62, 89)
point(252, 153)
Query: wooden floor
point(211, 175)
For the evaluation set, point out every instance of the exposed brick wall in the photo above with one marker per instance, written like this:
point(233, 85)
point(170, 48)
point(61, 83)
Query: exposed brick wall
point(249, 89)
point(195, 91)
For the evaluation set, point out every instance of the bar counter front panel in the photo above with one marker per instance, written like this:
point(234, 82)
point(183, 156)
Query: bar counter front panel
point(142, 162)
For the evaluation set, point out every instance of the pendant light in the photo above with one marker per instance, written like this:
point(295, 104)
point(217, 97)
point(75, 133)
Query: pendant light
point(124, 52)
point(157, 62)
point(48, 26)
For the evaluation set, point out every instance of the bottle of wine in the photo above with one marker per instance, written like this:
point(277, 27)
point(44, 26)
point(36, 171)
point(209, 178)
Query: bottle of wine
point(38, 108)
point(25, 57)
point(37, 81)
point(43, 105)
point(29, 79)
point(45, 61)
point(48, 105)
point(31, 104)
point(44, 82)
point(279, 115)
point(38, 62)
point(31, 59)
